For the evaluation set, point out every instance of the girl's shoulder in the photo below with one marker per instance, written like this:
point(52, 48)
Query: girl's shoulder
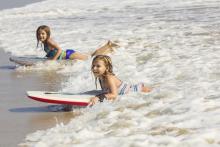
point(111, 77)
point(50, 41)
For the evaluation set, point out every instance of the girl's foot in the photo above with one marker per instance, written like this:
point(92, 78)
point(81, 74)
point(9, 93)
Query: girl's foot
point(112, 44)
point(145, 89)
point(106, 49)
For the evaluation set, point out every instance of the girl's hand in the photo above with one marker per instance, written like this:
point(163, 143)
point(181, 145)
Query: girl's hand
point(93, 101)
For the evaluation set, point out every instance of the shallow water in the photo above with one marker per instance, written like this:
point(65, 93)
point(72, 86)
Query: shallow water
point(173, 46)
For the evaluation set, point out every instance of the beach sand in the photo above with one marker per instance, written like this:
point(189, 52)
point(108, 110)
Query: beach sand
point(19, 114)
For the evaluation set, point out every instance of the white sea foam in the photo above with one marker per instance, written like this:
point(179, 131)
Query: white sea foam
point(172, 45)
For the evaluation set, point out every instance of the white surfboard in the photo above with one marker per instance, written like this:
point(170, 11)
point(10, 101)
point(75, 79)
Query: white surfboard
point(27, 61)
point(78, 99)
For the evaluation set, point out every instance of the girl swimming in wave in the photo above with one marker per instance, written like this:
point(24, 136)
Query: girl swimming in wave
point(54, 51)
point(111, 86)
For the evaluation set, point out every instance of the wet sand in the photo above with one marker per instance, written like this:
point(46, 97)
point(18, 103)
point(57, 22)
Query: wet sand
point(19, 114)
point(15, 3)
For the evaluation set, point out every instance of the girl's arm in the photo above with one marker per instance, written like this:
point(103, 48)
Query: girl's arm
point(111, 82)
point(53, 45)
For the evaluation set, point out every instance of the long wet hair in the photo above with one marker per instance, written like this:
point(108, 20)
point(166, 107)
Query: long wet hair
point(46, 29)
point(108, 64)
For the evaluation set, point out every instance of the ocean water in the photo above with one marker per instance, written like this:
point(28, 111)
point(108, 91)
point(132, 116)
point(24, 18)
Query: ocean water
point(172, 45)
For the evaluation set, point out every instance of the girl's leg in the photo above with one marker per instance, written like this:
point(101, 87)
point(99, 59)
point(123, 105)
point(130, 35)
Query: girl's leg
point(107, 48)
point(78, 56)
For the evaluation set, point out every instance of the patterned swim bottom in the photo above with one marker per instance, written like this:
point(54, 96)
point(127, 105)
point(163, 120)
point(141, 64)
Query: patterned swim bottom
point(126, 88)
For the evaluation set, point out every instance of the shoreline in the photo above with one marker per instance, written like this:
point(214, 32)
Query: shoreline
point(20, 115)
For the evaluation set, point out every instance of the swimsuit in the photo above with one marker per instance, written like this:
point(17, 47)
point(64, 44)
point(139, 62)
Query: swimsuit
point(69, 52)
point(125, 88)
point(51, 53)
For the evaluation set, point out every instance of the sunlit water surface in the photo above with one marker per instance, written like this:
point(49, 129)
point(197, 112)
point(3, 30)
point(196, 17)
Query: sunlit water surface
point(171, 45)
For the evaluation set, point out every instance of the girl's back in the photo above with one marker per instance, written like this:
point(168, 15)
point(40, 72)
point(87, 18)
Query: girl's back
point(109, 80)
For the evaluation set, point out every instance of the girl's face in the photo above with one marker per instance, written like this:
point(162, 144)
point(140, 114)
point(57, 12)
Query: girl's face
point(42, 35)
point(98, 68)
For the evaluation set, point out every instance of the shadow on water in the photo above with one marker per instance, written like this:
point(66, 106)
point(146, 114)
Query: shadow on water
point(6, 67)
point(30, 109)
point(49, 108)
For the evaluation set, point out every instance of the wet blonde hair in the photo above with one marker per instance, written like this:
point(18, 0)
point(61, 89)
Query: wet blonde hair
point(108, 64)
point(46, 29)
